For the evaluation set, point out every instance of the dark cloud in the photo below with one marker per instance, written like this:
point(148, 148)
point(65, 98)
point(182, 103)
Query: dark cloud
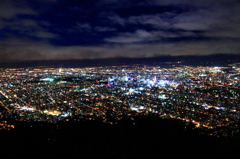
point(83, 27)
point(28, 27)
point(116, 19)
point(104, 29)
point(51, 29)
point(159, 21)
point(10, 9)
point(26, 49)
point(137, 36)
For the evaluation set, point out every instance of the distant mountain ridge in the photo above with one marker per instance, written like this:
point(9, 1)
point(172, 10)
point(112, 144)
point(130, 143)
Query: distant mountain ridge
point(216, 58)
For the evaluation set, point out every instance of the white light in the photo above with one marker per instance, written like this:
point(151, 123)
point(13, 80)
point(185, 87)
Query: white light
point(141, 107)
point(151, 82)
point(131, 90)
point(133, 108)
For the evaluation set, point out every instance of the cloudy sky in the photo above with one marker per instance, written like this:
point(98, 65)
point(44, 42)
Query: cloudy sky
point(90, 29)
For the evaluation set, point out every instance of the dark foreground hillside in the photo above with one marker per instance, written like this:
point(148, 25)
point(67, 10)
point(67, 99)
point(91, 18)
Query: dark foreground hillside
point(150, 137)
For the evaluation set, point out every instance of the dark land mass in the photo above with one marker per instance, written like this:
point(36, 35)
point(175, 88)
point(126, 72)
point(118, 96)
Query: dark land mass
point(208, 60)
point(145, 137)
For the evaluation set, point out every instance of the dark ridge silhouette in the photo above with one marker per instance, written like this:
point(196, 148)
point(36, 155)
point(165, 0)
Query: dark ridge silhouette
point(207, 60)
point(149, 137)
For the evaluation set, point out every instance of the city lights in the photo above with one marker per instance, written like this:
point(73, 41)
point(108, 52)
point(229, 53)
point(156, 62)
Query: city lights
point(207, 97)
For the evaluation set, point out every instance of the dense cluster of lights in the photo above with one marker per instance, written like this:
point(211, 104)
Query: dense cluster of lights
point(111, 93)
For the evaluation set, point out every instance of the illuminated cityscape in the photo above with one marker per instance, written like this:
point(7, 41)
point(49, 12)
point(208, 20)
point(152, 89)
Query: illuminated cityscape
point(207, 97)
point(119, 79)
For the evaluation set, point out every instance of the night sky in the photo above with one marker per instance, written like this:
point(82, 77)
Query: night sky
point(92, 29)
